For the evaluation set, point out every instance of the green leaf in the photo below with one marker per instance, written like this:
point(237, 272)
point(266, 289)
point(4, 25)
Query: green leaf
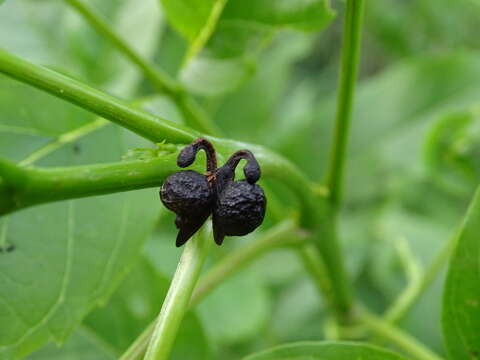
point(452, 149)
point(424, 236)
point(415, 93)
point(297, 14)
point(51, 33)
point(253, 107)
point(140, 24)
point(236, 310)
point(384, 22)
point(190, 17)
point(83, 344)
point(134, 306)
point(69, 256)
point(325, 351)
point(221, 75)
point(235, 36)
point(461, 299)
point(298, 311)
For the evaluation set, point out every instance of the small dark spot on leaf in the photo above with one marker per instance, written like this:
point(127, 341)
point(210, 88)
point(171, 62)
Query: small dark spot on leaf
point(7, 249)
point(77, 149)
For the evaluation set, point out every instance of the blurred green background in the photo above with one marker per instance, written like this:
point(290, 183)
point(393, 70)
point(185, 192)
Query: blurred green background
point(412, 166)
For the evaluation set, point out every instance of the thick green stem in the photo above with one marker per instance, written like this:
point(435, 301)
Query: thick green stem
point(30, 186)
point(328, 242)
point(313, 212)
point(380, 327)
point(348, 76)
point(155, 128)
point(27, 186)
point(284, 234)
point(190, 109)
point(104, 105)
point(178, 297)
point(396, 336)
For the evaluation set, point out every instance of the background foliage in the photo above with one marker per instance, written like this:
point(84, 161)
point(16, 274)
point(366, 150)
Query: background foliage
point(92, 273)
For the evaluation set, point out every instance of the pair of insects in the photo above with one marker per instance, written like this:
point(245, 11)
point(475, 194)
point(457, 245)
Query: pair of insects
point(237, 207)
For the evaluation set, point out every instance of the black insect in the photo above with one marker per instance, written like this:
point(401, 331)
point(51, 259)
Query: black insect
point(238, 207)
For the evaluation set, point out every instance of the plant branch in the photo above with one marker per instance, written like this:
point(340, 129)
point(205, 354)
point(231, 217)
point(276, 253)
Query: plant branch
point(348, 76)
point(313, 210)
point(328, 236)
point(160, 79)
point(24, 186)
point(413, 272)
point(176, 302)
point(315, 266)
point(207, 29)
point(193, 114)
point(410, 296)
point(102, 104)
point(285, 233)
point(396, 336)
point(30, 186)
point(326, 242)
point(157, 129)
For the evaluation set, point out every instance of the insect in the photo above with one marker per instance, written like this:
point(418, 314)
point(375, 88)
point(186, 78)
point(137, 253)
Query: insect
point(237, 207)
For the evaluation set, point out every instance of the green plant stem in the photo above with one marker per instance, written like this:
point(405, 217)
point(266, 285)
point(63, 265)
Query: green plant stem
point(413, 292)
point(328, 237)
point(396, 336)
point(315, 266)
point(30, 186)
point(285, 233)
point(157, 129)
point(192, 112)
point(22, 186)
point(101, 25)
point(326, 242)
point(207, 29)
point(176, 302)
point(413, 273)
point(313, 212)
point(348, 75)
point(104, 105)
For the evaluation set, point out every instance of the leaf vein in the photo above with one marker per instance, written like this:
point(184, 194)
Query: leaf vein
point(66, 275)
